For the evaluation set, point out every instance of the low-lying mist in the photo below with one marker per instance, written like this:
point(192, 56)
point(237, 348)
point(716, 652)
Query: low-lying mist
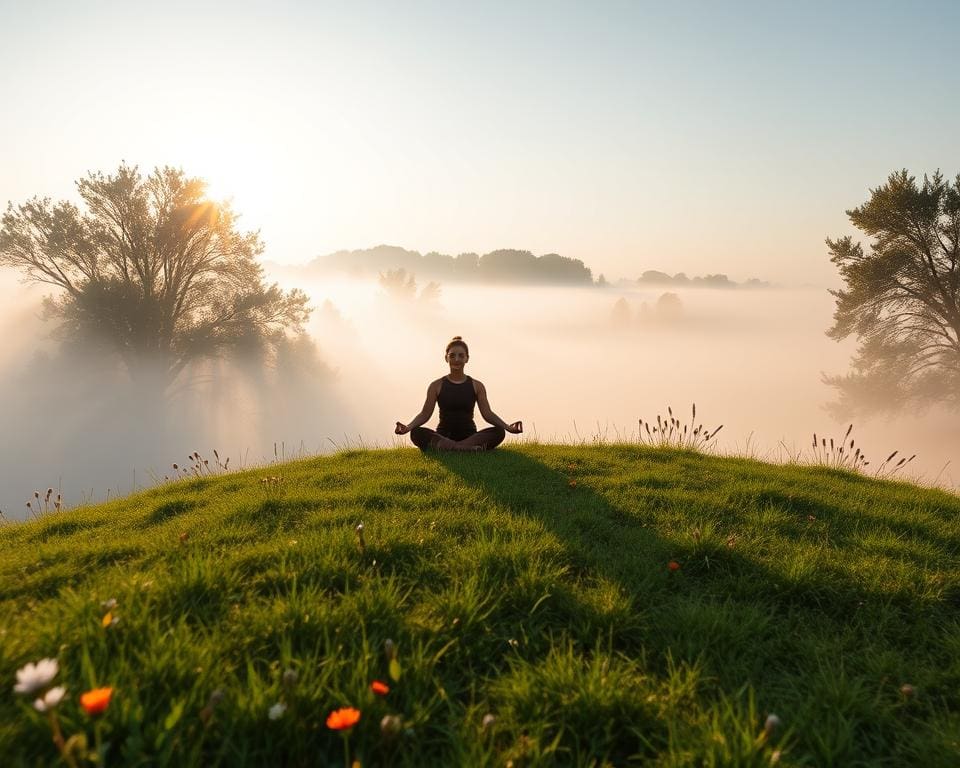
point(577, 363)
point(573, 363)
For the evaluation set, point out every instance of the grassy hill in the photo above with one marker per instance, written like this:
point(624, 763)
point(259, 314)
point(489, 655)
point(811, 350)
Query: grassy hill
point(533, 585)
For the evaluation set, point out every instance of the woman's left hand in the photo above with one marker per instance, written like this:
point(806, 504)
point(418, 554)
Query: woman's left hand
point(516, 428)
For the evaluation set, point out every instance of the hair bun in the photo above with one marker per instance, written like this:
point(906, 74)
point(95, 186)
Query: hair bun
point(457, 341)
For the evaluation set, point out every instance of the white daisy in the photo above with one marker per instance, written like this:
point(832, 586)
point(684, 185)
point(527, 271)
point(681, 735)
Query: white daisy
point(277, 710)
point(32, 677)
point(50, 699)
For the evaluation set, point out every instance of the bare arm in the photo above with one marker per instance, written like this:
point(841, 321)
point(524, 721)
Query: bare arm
point(425, 413)
point(488, 415)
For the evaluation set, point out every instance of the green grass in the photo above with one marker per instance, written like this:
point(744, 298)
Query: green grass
point(811, 593)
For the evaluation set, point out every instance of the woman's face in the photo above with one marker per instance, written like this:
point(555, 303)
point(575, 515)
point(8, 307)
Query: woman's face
point(457, 357)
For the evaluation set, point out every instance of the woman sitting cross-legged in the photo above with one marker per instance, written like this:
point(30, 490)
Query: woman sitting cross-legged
point(457, 393)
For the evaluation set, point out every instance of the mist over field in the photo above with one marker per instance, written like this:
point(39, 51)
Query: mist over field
point(572, 367)
point(573, 363)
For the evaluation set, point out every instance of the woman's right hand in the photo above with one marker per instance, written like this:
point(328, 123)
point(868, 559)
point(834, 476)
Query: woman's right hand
point(515, 428)
point(400, 429)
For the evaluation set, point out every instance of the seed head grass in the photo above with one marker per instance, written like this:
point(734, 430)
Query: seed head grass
point(517, 607)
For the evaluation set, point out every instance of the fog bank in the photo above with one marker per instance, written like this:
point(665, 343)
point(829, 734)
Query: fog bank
point(575, 364)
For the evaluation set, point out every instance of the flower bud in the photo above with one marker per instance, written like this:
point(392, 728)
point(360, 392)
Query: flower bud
point(771, 724)
point(390, 726)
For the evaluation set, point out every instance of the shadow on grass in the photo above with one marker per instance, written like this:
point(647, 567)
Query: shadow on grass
point(719, 591)
point(589, 526)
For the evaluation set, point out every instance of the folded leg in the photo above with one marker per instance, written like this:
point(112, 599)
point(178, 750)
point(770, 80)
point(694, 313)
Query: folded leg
point(425, 438)
point(485, 439)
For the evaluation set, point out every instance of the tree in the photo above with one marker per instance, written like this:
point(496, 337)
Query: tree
point(430, 293)
point(901, 299)
point(669, 307)
point(399, 284)
point(620, 314)
point(153, 268)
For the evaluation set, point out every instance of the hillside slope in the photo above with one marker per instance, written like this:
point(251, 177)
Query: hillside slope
point(606, 605)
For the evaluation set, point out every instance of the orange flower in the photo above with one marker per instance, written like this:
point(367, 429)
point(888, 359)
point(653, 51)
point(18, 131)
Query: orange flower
point(343, 719)
point(573, 483)
point(95, 702)
point(673, 565)
point(381, 689)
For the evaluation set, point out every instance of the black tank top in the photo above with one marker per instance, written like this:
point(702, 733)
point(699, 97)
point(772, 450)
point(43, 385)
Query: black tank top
point(456, 403)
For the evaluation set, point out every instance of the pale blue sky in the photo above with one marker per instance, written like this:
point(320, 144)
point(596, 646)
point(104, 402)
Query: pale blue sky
point(699, 137)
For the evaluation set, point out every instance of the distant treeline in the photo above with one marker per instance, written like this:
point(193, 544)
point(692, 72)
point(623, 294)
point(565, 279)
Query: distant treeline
point(502, 266)
point(679, 280)
point(507, 265)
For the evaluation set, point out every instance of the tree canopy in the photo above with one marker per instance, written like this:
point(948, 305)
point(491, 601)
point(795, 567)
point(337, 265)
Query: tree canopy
point(901, 298)
point(152, 267)
point(500, 266)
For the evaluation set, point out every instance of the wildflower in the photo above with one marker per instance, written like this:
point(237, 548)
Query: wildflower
point(33, 677)
point(360, 539)
point(390, 726)
point(381, 689)
point(207, 712)
point(673, 565)
point(277, 710)
point(488, 721)
point(343, 719)
point(50, 699)
point(771, 724)
point(183, 537)
point(95, 702)
point(572, 483)
point(109, 605)
point(290, 677)
point(907, 690)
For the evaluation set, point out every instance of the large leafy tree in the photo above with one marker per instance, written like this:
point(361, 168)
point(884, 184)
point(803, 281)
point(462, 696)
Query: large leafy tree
point(154, 269)
point(901, 298)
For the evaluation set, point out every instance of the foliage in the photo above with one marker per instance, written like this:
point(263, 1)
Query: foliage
point(902, 299)
point(153, 269)
point(655, 277)
point(401, 285)
point(669, 307)
point(501, 266)
point(528, 598)
point(620, 314)
point(668, 432)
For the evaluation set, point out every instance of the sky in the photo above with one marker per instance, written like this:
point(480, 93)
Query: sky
point(700, 137)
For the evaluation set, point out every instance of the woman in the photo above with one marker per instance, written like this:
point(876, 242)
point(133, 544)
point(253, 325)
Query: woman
point(457, 393)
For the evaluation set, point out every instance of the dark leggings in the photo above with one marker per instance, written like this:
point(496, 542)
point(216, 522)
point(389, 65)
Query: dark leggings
point(485, 439)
